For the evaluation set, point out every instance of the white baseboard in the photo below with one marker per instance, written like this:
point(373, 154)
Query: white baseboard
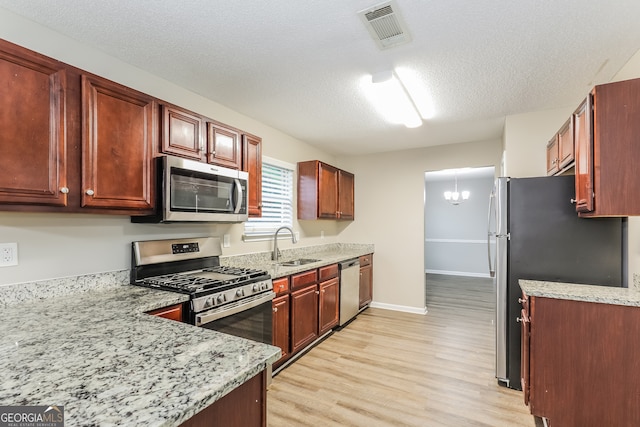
point(403, 308)
point(458, 273)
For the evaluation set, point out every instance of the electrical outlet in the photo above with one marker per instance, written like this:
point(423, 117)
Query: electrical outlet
point(322, 234)
point(297, 234)
point(8, 254)
point(226, 240)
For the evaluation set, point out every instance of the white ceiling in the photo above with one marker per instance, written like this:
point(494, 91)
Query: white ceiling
point(297, 65)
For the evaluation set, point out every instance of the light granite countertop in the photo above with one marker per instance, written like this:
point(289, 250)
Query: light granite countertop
point(580, 292)
point(98, 354)
point(325, 254)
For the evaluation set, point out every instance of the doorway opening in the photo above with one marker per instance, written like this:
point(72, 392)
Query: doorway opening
point(456, 208)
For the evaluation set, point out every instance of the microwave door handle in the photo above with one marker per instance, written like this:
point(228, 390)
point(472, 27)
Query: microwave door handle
point(238, 186)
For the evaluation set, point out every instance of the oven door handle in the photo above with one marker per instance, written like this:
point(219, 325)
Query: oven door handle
point(204, 318)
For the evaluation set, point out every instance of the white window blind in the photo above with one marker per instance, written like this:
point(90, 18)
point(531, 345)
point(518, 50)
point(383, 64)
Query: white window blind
point(277, 201)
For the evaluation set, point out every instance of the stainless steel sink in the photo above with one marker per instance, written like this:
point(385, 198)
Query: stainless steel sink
point(296, 262)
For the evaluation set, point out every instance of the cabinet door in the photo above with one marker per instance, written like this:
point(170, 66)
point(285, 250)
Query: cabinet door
point(327, 191)
point(223, 146)
point(182, 133)
point(582, 119)
point(552, 156)
point(304, 317)
point(524, 354)
point(329, 308)
point(117, 142)
point(565, 144)
point(33, 163)
point(281, 325)
point(366, 285)
point(252, 163)
point(345, 195)
point(246, 405)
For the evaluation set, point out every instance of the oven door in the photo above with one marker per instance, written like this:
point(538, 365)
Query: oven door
point(251, 318)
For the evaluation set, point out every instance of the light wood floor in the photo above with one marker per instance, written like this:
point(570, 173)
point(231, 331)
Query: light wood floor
point(396, 369)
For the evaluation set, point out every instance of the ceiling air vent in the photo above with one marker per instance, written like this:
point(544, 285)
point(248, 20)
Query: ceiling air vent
point(385, 25)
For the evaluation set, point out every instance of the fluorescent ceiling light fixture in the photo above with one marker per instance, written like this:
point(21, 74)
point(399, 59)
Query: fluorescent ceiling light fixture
point(418, 90)
point(392, 100)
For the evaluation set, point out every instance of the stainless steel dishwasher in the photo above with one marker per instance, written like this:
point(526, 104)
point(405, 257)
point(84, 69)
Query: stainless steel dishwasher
point(349, 289)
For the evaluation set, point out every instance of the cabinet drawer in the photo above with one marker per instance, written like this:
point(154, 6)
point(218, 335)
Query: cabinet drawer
point(365, 260)
point(302, 279)
point(328, 272)
point(281, 285)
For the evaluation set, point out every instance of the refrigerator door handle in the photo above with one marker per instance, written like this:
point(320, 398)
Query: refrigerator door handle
point(490, 234)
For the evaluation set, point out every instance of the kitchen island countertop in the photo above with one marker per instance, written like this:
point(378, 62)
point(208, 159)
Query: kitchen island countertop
point(579, 292)
point(108, 363)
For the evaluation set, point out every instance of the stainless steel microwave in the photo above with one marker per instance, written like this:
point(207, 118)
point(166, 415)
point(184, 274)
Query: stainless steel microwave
point(191, 191)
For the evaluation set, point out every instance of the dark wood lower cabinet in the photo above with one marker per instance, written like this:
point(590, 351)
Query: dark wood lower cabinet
point(329, 305)
point(281, 328)
point(583, 368)
point(304, 317)
point(246, 406)
point(366, 280)
point(173, 312)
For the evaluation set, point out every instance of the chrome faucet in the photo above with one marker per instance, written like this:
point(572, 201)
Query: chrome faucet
point(276, 253)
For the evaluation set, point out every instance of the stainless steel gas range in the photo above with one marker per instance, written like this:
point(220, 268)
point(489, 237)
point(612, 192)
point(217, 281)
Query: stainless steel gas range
point(232, 300)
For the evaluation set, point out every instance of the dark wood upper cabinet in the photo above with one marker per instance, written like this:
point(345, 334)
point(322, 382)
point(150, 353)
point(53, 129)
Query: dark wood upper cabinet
point(33, 142)
point(324, 191)
point(118, 134)
point(583, 134)
point(182, 133)
point(252, 163)
point(565, 144)
point(346, 185)
point(552, 156)
point(223, 146)
point(609, 182)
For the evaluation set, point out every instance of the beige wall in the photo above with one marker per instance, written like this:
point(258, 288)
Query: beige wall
point(390, 213)
point(525, 140)
point(61, 245)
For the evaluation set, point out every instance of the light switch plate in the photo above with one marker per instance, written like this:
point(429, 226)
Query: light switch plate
point(226, 241)
point(8, 254)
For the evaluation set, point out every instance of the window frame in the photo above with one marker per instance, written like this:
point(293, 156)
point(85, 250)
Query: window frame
point(254, 236)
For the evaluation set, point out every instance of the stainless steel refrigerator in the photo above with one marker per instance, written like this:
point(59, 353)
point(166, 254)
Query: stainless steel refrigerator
point(539, 236)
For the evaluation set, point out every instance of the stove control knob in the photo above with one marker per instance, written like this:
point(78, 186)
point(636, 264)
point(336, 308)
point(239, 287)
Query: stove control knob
point(256, 288)
point(239, 293)
point(220, 299)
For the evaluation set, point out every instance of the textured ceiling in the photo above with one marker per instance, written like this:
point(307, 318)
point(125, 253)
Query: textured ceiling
point(297, 65)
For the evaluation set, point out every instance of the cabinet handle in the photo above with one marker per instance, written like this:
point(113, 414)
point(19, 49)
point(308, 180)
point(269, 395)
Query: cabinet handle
point(89, 192)
point(275, 309)
point(213, 153)
point(64, 190)
point(522, 300)
point(573, 201)
point(317, 292)
point(522, 319)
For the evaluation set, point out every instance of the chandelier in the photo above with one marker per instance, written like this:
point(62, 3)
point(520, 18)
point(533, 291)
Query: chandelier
point(455, 197)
